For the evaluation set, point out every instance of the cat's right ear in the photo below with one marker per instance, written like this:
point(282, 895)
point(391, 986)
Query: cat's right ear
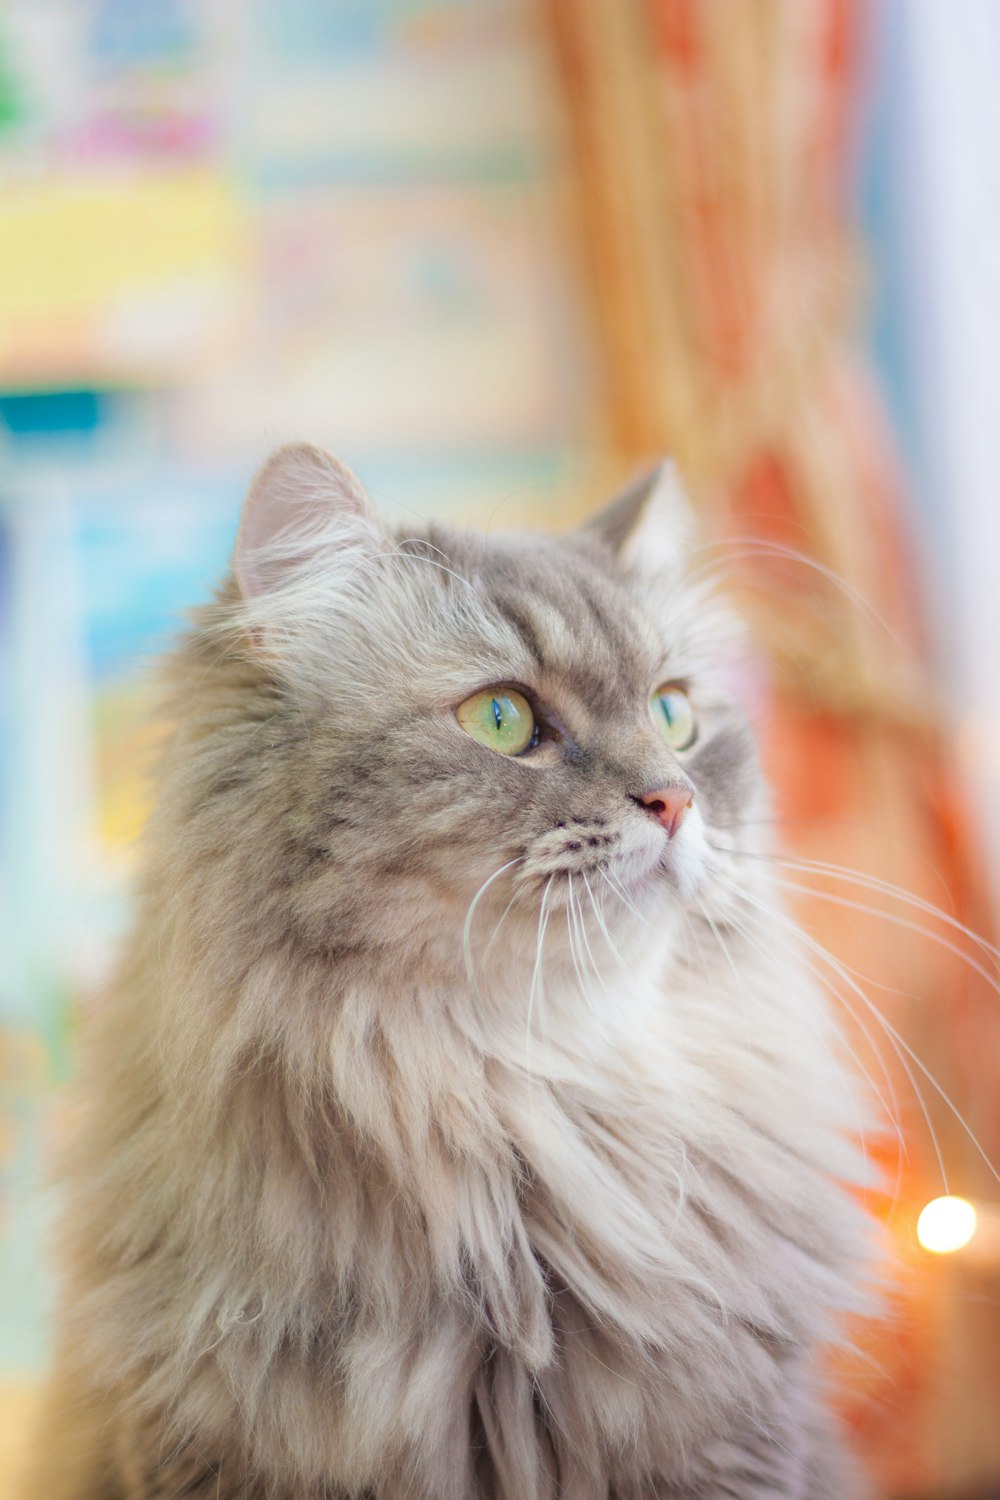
point(649, 526)
point(301, 502)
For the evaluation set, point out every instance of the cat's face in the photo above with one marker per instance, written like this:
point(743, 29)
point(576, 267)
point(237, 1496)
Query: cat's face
point(488, 720)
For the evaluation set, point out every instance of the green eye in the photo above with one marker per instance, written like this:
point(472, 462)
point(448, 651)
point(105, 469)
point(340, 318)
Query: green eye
point(499, 718)
point(673, 716)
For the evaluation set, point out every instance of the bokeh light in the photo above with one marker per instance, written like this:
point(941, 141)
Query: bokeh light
point(946, 1224)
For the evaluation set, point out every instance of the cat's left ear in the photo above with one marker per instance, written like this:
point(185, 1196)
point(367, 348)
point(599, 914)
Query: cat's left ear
point(300, 502)
point(649, 526)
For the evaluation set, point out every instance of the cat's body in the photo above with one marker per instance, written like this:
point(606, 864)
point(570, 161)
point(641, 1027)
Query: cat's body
point(454, 1132)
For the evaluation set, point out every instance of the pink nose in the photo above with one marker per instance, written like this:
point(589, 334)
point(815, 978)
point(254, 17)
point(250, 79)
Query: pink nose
point(667, 805)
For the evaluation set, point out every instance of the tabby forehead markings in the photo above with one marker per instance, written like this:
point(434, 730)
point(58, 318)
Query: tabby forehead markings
point(526, 633)
point(586, 663)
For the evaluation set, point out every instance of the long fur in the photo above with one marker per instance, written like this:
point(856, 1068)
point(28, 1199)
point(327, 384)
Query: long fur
point(448, 1134)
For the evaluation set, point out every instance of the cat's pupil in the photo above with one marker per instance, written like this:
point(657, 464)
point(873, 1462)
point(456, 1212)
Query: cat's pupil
point(497, 714)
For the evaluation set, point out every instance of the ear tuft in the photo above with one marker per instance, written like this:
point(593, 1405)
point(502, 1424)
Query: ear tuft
point(649, 526)
point(292, 501)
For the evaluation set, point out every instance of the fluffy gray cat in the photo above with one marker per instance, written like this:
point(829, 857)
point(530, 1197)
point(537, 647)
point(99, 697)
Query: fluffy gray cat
point(465, 1123)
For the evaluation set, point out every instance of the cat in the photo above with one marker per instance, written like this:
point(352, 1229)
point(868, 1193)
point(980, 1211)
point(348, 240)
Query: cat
point(465, 1122)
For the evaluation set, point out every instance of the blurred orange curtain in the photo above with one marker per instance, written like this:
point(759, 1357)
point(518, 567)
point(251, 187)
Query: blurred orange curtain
point(711, 148)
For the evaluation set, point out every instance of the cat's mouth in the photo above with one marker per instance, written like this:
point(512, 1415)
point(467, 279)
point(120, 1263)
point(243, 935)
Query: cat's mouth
point(589, 853)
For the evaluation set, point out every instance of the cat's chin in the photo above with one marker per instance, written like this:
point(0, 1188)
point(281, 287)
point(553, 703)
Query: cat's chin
point(680, 863)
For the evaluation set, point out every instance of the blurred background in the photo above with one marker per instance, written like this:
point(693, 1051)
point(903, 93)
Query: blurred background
point(496, 253)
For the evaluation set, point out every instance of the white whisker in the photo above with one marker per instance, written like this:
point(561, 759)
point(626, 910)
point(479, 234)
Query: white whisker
point(622, 895)
point(537, 986)
point(896, 1040)
point(751, 546)
point(502, 919)
point(890, 1108)
point(881, 887)
point(844, 974)
point(724, 949)
point(873, 911)
point(603, 926)
point(571, 935)
point(595, 968)
point(467, 929)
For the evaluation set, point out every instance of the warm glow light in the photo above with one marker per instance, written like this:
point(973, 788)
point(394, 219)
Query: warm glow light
point(946, 1224)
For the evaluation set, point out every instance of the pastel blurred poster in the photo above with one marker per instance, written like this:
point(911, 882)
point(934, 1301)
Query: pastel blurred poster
point(110, 82)
point(122, 248)
point(416, 320)
point(123, 282)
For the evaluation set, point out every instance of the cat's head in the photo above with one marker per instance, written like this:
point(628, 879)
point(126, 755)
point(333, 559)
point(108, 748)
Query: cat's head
point(460, 724)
